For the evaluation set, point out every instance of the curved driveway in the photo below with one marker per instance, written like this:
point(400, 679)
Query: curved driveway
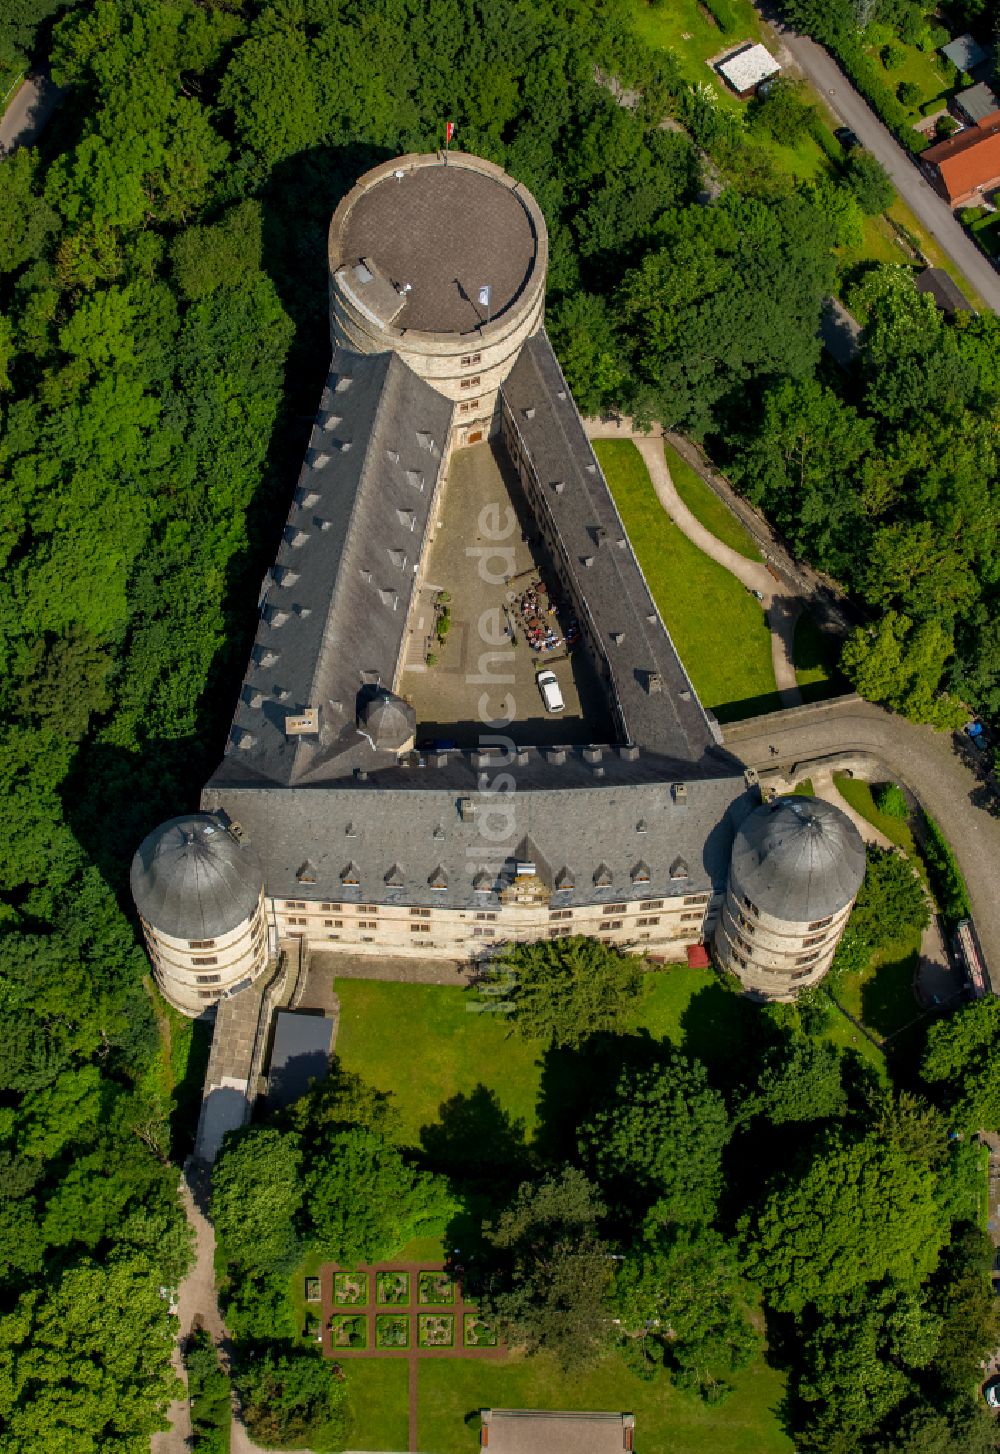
point(917, 757)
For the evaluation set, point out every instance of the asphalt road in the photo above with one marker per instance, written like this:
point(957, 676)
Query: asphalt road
point(925, 761)
point(830, 81)
point(28, 113)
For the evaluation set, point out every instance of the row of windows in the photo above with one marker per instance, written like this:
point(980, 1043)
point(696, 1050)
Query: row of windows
point(468, 406)
point(469, 359)
point(472, 383)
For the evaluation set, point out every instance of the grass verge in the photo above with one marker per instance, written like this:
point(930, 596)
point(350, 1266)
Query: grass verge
point(717, 626)
point(706, 506)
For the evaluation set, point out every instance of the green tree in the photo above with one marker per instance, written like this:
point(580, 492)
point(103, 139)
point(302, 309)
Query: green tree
point(563, 990)
point(364, 1201)
point(659, 1141)
point(869, 181)
point(855, 1212)
point(90, 1352)
point(800, 1080)
point(964, 1299)
point(680, 1290)
point(288, 1398)
point(961, 1064)
point(891, 900)
point(584, 338)
point(256, 1195)
point(551, 1272)
point(902, 664)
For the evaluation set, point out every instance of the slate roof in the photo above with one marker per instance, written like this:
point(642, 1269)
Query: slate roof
point(978, 102)
point(446, 228)
point(965, 52)
point(395, 841)
point(300, 1054)
point(798, 858)
point(612, 587)
point(335, 603)
point(192, 879)
point(944, 290)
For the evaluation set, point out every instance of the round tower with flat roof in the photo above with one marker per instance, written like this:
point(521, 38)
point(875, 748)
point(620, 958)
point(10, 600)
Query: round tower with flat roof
point(199, 891)
point(442, 259)
point(796, 867)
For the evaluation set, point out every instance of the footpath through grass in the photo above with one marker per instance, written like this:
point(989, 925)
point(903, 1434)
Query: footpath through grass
point(716, 625)
point(706, 506)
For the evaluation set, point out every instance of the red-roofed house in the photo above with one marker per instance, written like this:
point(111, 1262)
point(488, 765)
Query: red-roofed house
point(965, 165)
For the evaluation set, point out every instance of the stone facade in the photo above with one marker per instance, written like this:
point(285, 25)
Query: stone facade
point(194, 974)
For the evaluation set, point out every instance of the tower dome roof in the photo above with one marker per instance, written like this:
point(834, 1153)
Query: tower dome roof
point(798, 859)
point(389, 721)
point(192, 879)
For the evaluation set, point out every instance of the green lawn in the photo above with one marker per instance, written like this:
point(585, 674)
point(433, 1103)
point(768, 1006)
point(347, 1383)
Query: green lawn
point(686, 28)
point(717, 626)
point(919, 67)
point(858, 794)
point(816, 655)
point(378, 1403)
point(706, 506)
point(453, 1391)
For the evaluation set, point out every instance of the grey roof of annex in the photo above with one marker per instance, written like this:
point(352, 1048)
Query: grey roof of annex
point(798, 859)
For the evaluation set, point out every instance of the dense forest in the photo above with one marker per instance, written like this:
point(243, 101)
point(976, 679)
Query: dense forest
point(162, 346)
point(670, 1206)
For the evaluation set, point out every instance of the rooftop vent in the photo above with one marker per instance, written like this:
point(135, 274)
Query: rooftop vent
point(559, 486)
point(679, 792)
point(425, 440)
point(267, 656)
point(621, 542)
point(330, 420)
point(588, 560)
point(343, 445)
point(323, 524)
point(252, 697)
point(556, 755)
point(592, 754)
point(388, 597)
point(393, 455)
point(415, 478)
point(284, 576)
point(618, 637)
point(651, 617)
point(654, 683)
point(466, 809)
point(529, 413)
point(343, 384)
point(318, 458)
point(560, 393)
point(629, 752)
point(295, 538)
point(304, 724)
point(274, 617)
point(406, 518)
point(591, 468)
point(243, 739)
point(398, 558)
point(600, 535)
point(483, 781)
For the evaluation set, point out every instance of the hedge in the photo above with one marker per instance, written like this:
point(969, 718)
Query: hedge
point(945, 875)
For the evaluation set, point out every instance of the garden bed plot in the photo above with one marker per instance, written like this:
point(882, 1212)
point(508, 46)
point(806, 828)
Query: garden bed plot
point(394, 1310)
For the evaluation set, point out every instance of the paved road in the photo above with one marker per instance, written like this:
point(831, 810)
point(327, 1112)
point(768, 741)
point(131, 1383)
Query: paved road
point(28, 113)
point(851, 108)
point(918, 758)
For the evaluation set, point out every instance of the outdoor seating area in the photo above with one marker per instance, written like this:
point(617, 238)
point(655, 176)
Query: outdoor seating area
point(546, 620)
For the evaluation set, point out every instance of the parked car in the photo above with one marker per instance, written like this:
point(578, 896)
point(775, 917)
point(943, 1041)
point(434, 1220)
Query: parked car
point(549, 688)
point(847, 138)
point(991, 1392)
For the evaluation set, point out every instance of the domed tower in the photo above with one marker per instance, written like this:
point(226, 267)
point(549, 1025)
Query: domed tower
point(796, 867)
point(442, 259)
point(199, 891)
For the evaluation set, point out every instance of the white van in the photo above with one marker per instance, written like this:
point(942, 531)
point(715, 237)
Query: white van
point(549, 688)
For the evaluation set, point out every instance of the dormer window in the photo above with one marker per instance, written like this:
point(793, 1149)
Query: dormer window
point(640, 873)
point(679, 868)
point(438, 880)
point(565, 880)
point(306, 874)
point(394, 878)
point(350, 876)
point(602, 876)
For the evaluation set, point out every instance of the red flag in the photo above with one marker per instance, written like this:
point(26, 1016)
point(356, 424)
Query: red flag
point(449, 130)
